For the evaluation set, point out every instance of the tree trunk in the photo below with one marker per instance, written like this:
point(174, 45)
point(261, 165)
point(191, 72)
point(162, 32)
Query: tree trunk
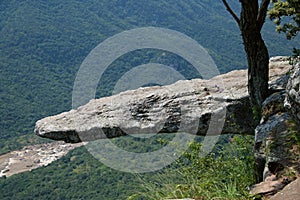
point(257, 53)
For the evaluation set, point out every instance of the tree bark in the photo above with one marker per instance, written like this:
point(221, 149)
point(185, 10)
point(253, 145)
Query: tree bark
point(250, 23)
point(257, 53)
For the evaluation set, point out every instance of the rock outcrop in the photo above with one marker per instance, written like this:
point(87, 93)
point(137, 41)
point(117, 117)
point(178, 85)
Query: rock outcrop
point(292, 101)
point(277, 138)
point(290, 192)
point(196, 106)
point(219, 105)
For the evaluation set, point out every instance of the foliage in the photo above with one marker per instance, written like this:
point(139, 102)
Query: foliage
point(76, 176)
point(289, 9)
point(42, 46)
point(226, 173)
point(20, 141)
point(295, 58)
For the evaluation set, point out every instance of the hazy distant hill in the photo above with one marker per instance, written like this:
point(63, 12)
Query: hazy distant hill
point(43, 44)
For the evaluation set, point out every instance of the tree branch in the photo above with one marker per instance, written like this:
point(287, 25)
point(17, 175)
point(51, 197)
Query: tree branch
point(231, 11)
point(262, 13)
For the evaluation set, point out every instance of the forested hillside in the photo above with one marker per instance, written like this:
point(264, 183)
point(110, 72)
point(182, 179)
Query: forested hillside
point(42, 45)
point(227, 173)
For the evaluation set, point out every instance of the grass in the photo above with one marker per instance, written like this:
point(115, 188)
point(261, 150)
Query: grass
point(227, 173)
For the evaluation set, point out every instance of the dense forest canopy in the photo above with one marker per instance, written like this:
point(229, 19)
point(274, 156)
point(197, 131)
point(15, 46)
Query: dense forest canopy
point(43, 44)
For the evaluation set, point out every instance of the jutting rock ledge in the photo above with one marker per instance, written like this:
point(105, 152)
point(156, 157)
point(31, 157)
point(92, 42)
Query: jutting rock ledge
point(191, 106)
point(203, 107)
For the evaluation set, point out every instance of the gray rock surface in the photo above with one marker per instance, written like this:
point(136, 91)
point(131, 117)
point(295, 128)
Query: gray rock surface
point(186, 106)
point(292, 101)
point(197, 106)
point(273, 144)
point(279, 63)
point(276, 147)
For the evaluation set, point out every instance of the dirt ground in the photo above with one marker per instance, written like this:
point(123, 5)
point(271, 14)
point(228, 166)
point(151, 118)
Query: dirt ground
point(32, 157)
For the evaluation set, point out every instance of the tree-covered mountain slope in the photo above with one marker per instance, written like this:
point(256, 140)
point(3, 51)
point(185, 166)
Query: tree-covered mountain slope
point(225, 173)
point(43, 44)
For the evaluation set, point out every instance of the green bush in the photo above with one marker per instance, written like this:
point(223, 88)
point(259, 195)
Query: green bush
point(226, 173)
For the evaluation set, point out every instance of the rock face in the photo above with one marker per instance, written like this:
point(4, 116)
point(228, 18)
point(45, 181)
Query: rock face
point(197, 106)
point(292, 101)
point(290, 192)
point(277, 147)
point(201, 107)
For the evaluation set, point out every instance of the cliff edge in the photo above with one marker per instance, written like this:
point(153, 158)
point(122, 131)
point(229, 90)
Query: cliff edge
point(194, 107)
